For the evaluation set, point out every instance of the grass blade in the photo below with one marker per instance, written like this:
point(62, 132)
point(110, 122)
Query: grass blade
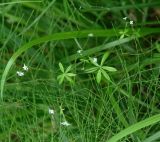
point(72, 35)
point(144, 123)
point(153, 137)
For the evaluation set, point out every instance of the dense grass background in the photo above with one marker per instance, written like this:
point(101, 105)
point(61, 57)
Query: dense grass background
point(43, 33)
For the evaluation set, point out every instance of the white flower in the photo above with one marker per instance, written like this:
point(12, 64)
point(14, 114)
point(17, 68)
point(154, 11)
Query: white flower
point(51, 111)
point(95, 60)
point(65, 123)
point(79, 51)
point(131, 22)
point(125, 18)
point(25, 67)
point(19, 73)
point(91, 35)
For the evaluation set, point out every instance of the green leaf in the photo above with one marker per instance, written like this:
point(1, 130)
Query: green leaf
point(90, 70)
point(111, 69)
point(68, 69)
point(98, 77)
point(69, 79)
point(105, 56)
point(60, 78)
point(122, 36)
point(105, 75)
point(61, 67)
point(70, 74)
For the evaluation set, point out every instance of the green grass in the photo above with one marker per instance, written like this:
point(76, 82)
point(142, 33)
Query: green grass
point(41, 34)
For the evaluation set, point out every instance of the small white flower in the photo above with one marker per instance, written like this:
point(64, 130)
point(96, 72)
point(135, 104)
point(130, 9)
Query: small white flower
point(65, 123)
point(125, 18)
point(131, 22)
point(25, 67)
point(79, 51)
point(91, 35)
point(51, 111)
point(19, 73)
point(95, 60)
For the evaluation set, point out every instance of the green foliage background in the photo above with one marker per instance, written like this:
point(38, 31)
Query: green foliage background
point(41, 34)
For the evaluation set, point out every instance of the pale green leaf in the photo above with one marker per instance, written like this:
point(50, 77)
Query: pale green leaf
point(61, 67)
point(69, 79)
point(111, 69)
point(71, 74)
point(105, 75)
point(122, 36)
point(91, 70)
point(98, 77)
point(68, 69)
point(105, 56)
point(60, 79)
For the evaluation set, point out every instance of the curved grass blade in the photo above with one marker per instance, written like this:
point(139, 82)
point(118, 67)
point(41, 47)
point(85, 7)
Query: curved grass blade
point(153, 137)
point(133, 128)
point(56, 36)
point(118, 8)
point(71, 35)
point(142, 32)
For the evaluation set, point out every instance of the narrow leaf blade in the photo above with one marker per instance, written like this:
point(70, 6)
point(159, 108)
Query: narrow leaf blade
point(61, 67)
point(111, 69)
point(98, 77)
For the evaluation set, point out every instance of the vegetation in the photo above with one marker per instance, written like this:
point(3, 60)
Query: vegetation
point(79, 71)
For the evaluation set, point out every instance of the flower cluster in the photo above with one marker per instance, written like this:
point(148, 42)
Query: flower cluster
point(21, 73)
point(64, 123)
point(131, 22)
